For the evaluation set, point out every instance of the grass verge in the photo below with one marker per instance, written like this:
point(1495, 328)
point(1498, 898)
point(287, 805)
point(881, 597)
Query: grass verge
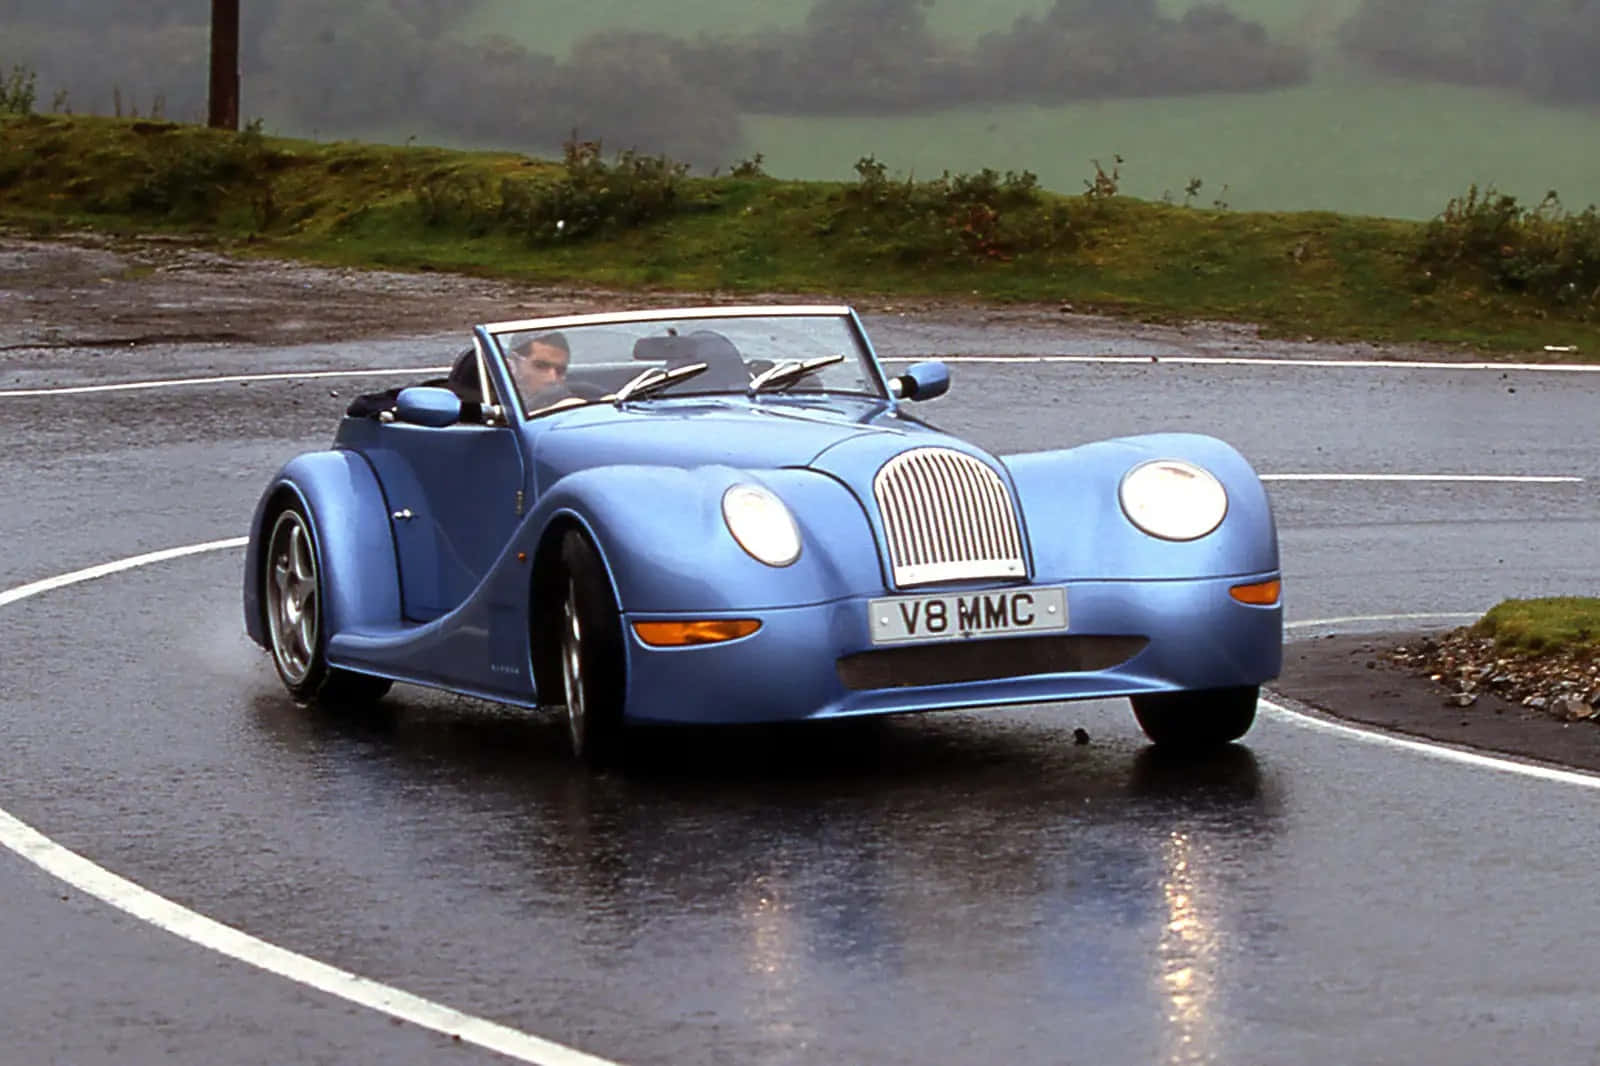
point(644, 223)
point(1558, 624)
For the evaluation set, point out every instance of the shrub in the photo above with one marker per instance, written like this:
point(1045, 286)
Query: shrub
point(986, 215)
point(1544, 251)
point(591, 196)
point(457, 200)
point(188, 174)
point(17, 92)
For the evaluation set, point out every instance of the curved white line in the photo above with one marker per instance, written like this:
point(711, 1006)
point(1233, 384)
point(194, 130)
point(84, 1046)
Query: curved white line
point(1435, 750)
point(1436, 616)
point(147, 906)
point(61, 581)
point(1515, 479)
point(1244, 360)
point(225, 379)
point(1430, 749)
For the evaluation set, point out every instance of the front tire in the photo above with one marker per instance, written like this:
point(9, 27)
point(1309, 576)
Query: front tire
point(1196, 720)
point(292, 595)
point(589, 637)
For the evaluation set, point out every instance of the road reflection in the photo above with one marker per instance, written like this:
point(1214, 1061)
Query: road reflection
point(808, 885)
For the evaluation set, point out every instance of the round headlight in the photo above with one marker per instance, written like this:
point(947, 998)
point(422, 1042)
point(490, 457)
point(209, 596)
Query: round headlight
point(761, 524)
point(1173, 500)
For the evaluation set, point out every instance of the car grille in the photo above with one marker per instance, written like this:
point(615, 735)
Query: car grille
point(948, 517)
point(954, 662)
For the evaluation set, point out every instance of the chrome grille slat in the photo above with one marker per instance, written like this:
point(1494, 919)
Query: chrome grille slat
point(947, 517)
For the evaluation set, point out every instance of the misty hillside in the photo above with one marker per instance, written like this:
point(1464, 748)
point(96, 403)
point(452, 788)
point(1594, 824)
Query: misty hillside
point(1378, 106)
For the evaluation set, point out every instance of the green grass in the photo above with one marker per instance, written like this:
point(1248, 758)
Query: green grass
point(1553, 625)
point(1350, 141)
point(1298, 274)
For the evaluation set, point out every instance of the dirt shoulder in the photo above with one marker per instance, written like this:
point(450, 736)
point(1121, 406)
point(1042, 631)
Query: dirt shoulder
point(1362, 679)
point(91, 292)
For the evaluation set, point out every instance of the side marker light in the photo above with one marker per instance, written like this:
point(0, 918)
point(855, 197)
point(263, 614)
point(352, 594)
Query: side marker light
point(1261, 594)
point(707, 631)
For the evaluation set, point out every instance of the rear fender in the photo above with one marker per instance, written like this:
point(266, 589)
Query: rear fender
point(350, 526)
point(1077, 527)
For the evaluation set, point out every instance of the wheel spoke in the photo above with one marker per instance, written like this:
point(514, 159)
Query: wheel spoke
point(572, 670)
point(305, 571)
point(291, 597)
point(305, 636)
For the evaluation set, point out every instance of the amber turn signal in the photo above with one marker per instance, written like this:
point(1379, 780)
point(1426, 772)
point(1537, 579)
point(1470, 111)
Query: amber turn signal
point(706, 631)
point(1262, 594)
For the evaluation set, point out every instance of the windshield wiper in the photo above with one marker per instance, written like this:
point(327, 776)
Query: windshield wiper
point(654, 380)
point(790, 371)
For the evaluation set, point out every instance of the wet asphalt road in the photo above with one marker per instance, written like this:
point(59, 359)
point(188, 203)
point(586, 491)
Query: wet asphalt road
point(950, 888)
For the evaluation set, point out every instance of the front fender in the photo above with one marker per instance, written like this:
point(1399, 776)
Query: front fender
point(1077, 528)
point(661, 532)
point(350, 526)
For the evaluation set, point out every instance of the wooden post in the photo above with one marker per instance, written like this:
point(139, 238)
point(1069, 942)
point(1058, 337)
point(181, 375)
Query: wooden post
point(225, 64)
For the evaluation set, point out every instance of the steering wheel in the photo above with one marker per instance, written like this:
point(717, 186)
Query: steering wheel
point(564, 390)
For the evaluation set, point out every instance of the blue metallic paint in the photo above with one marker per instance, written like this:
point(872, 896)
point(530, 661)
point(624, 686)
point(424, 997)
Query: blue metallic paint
point(350, 528)
point(645, 483)
point(1200, 638)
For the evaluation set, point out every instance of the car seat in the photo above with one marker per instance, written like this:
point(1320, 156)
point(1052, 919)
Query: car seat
point(725, 369)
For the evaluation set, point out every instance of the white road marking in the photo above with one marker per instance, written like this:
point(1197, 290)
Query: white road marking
point(1515, 479)
point(22, 592)
point(1244, 360)
point(1430, 749)
point(225, 379)
point(1433, 750)
point(1445, 616)
point(100, 883)
point(1191, 360)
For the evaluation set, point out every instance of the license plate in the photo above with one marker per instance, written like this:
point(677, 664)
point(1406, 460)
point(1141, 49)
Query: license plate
point(961, 616)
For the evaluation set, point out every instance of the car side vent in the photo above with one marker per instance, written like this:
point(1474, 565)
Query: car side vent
point(948, 517)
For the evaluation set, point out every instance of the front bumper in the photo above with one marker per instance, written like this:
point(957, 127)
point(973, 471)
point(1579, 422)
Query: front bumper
point(1149, 636)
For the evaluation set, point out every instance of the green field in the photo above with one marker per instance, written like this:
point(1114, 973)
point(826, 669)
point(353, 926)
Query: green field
point(1401, 150)
point(553, 25)
point(1349, 142)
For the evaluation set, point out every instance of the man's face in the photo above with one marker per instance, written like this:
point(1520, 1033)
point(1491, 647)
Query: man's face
point(544, 365)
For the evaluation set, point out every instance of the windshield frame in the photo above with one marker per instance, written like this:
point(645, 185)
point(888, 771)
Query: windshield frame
point(864, 356)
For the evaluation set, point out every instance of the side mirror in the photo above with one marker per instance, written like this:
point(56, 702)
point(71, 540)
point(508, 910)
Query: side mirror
point(425, 405)
point(922, 381)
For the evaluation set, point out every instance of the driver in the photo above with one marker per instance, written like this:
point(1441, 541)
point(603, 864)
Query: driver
point(539, 366)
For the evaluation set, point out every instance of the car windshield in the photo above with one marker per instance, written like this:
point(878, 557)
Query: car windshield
point(562, 363)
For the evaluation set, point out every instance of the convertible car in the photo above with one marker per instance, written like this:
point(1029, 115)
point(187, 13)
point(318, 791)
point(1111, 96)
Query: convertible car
point(730, 514)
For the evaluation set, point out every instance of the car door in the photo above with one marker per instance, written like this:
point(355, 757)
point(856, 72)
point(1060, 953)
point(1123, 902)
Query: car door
point(456, 495)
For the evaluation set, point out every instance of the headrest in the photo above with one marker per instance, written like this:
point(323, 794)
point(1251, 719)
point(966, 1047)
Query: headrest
point(701, 346)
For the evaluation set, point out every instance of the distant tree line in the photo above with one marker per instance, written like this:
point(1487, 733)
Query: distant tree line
point(1547, 48)
point(872, 56)
point(389, 67)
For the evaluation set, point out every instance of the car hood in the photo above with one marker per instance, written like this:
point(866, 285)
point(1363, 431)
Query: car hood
point(724, 433)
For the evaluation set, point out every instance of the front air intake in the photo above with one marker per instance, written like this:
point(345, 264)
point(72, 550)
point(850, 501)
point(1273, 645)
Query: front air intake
point(948, 517)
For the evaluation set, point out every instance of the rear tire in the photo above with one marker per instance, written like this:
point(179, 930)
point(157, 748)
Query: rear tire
point(589, 637)
point(292, 598)
point(1196, 720)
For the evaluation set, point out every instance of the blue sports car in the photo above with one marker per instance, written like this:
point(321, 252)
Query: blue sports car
point(730, 514)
